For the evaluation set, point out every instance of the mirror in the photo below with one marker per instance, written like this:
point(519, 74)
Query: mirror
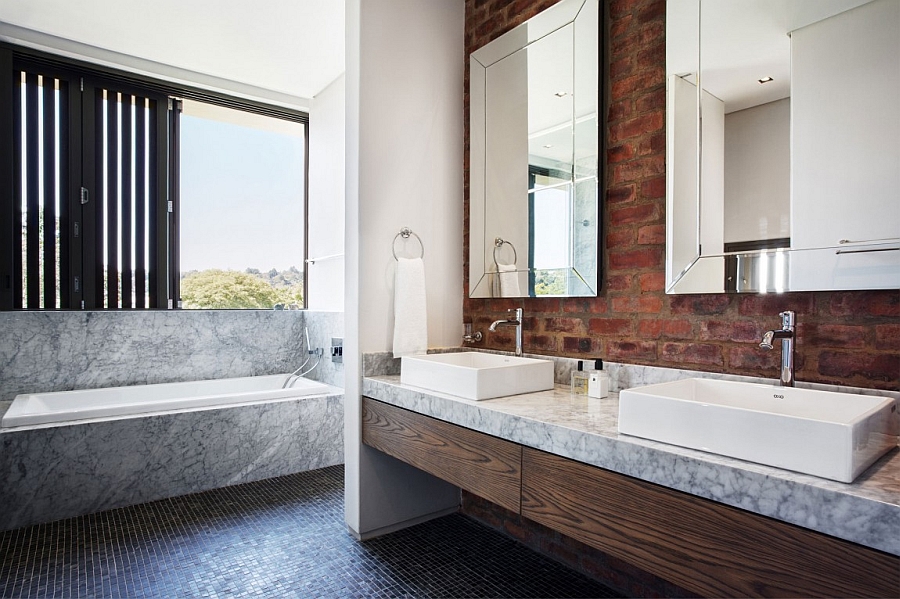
point(534, 156)
point(783, 156)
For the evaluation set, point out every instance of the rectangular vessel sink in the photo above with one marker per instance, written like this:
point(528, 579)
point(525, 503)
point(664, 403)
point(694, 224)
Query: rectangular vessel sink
point(828, 434)
point(475, 375)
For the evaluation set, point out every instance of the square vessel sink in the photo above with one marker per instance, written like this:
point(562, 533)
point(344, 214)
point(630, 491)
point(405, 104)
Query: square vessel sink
point(824, 433)
point(475, 375)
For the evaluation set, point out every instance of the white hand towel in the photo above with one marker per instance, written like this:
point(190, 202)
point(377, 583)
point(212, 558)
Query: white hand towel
point(509, 280)
point(410, 320)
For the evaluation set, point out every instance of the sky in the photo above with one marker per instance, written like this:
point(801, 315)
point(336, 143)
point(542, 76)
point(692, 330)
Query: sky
point(241, 197)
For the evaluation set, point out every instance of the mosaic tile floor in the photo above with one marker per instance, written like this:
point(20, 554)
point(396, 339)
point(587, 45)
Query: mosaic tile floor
point(283, 537)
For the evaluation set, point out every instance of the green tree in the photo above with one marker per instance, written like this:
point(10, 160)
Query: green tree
point(221, 289)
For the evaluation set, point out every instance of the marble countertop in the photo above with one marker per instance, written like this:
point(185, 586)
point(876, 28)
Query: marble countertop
point(586, 429)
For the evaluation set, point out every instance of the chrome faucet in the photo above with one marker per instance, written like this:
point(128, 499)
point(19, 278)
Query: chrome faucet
point(787, 336)
point(512, 322)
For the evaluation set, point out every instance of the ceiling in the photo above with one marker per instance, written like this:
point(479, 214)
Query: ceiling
point(742, 41)
point(291, 48)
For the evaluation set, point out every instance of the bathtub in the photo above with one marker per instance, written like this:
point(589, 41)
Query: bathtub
point(67, 406)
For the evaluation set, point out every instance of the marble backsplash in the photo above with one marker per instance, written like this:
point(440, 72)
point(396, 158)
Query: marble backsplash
point(61, 351)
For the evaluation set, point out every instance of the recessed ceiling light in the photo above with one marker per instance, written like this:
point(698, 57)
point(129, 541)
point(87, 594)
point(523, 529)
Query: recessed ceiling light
point(765, 79)
point(561, 94)
point(548, 145)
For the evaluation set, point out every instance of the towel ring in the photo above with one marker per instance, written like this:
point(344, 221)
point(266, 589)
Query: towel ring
point(498, 243)
point(405, 233)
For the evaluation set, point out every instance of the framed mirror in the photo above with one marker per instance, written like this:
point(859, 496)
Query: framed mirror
point(783, 158)
point(534, 157)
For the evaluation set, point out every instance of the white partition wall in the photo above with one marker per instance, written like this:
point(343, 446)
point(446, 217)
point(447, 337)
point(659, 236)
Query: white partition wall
point(404, 168)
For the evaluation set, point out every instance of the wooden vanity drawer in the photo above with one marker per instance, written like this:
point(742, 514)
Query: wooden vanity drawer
point(484, 465)
point(707, 547)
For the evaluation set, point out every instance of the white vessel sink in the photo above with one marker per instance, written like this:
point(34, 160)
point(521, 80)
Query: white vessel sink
point(475, 375)
point(827, 434)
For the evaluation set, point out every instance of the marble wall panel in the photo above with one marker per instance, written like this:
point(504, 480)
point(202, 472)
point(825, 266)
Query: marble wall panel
point(61, 351)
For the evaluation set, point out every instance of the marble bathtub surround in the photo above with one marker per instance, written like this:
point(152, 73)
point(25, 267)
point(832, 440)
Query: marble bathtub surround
point(58, 471)
point(586, 429)
point(61, 351)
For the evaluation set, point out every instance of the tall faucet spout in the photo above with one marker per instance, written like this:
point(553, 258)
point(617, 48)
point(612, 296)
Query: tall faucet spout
point(787, 336)
point(512, 322)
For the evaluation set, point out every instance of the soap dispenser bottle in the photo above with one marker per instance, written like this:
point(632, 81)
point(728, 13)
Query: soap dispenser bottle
point(579, 380)
point(598, 381)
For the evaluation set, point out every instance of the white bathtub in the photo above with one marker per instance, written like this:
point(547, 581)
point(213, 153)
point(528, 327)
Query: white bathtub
point(67, 406)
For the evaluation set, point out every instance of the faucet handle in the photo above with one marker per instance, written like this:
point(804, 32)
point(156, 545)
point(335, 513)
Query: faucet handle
point(788, 319)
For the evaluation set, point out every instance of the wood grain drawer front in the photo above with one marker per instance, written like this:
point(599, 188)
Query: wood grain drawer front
point(704, 546)
point(484, 465)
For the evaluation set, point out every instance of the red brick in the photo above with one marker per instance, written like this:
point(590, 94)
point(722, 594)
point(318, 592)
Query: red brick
point(619, 110)
point(866, 303)
point(755, 361)
point(620, 195)
point(622, 238)
point(534, 342)
point(770, 305)
point(650, 32)
point(739, 331)
point(619, 26)
point(672, 329)
point(631, 350)
point(652, 235)
point(564, 325)
point(701, 305)
point(633, 214)
point(577, 345)
point(619, 153)
point(887, 336)
point(610, 326)
point(639, 125)
point(832, 335)
point(585, 305)
point(637, 169)
point(641, 303)
point(653, 144)
point(619, 282)
point(652, 101)
point(652, 281)
point(652, 55)
point(541, 305)
point(641, 258)
point(692, 353)
point(874, 367)
point(654, 188)
point(623, 67)
point(648, 11)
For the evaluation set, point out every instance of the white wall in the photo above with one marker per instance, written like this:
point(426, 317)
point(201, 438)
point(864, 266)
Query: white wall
point(326, 198)
point(758, 172)
point(404, 168)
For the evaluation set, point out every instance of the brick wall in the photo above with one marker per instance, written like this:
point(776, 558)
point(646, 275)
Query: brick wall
point(850, 338)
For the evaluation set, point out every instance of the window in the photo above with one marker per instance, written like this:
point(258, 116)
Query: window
point(242, 208)
point(117, 195)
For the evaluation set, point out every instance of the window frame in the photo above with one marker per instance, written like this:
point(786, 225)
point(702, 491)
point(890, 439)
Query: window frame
point(84, 169)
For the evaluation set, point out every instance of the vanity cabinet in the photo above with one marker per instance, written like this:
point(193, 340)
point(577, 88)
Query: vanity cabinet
point(711, 548)
point(704, 546)
point(485, 465)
